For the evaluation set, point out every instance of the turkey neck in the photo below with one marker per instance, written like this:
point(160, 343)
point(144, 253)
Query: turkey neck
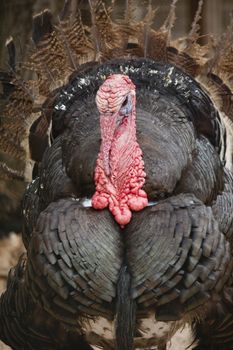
point(119, 173)
point(123, 152)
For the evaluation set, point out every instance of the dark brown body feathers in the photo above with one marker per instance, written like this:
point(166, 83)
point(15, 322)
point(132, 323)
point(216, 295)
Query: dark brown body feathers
point(174, 260)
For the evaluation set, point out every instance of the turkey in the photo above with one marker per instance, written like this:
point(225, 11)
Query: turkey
point(128, 219)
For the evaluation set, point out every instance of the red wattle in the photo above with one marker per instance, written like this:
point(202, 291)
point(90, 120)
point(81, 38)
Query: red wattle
point(137, 203)
point(122, 215)
point(119, 172)
point(124, 196)
point(99, 201)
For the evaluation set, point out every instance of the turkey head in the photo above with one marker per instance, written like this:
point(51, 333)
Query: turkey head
point(119, 173)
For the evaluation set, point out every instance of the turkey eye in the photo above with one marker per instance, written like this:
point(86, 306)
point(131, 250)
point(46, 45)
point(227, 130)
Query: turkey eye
point(125, 102)
point(126, 106)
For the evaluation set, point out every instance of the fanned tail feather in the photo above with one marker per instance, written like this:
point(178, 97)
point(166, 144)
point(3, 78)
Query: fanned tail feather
point(61, 49)
point(170, 21)
point(195, 27)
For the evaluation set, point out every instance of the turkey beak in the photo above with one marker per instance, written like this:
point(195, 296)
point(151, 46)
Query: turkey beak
point(108, 125)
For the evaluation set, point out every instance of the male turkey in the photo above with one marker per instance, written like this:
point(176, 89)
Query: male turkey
point(129, 216)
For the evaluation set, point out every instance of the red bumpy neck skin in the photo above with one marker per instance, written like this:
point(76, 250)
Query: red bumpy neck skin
point(119, 172)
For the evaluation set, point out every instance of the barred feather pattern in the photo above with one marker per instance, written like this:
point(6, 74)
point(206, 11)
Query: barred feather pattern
point(49, 62)
point(59, 50)
point(16, 120)
point(51, 59)
point(73, 35)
